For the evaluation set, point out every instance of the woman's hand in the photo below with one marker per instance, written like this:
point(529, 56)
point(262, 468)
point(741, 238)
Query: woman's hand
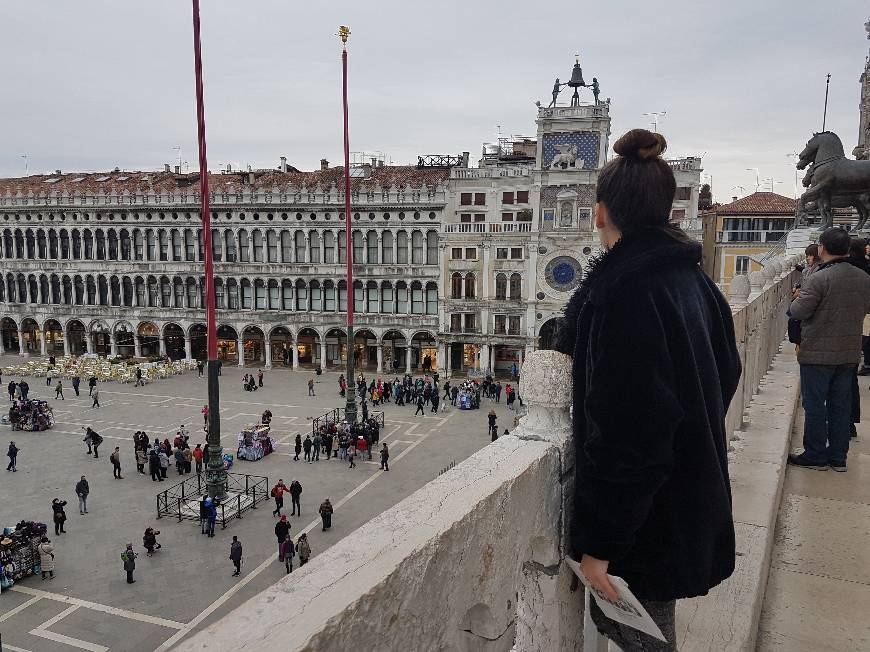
point(595, 570)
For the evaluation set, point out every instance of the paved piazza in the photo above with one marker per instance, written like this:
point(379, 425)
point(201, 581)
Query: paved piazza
point(187, 584)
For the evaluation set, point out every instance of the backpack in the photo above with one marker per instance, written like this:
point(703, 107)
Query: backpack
point(124, 557)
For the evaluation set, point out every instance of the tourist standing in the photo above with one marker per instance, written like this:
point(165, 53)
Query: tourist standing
point(141, 459)
point(260, 377)
point(236, 555)
point(96, 396)
point(197, 455)
point(212, 516)
point(58, 391)
point(154, 465)
point(115, 459)
point(419, 409)
point(12, 454)
point(652, 494)
point(311, 387)
point(129, 559)
point(164, 462)
point(11, 387)
point(92, 383)
point(298, 447)
point(316, 445)
point(307, 446)
point(295, 495)
point(203, 514)
point(385, 457)
point(304, 549)
point(58, 515)
point(278, 494)
point(82, 491)
point(831, 305)
point(46, 557)
point(282, 529)
point(491, 417)
point(288, 551)
point(204, 412)
point(76, 381)
point(23, 388)
point(326, 514)
point(139, 382)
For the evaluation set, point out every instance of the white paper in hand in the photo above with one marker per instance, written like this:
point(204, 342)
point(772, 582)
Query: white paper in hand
point(628, 610)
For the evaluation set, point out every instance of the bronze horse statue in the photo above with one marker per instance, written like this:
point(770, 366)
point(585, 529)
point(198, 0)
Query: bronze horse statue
point(834, 180)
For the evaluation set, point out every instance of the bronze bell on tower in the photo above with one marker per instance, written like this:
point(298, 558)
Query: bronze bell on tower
point(577, 76)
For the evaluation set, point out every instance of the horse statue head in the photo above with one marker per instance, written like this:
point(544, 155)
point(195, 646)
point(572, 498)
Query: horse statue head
point(823, 146)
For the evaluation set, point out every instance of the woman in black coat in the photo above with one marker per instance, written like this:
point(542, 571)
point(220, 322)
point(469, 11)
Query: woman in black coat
point(655, 365)
point(58, 515)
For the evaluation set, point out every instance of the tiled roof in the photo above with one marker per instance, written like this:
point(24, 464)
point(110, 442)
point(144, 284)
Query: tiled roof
point(759, 203)
point(117, 182)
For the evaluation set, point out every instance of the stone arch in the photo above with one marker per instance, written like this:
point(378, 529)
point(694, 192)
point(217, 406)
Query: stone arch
point(198, 336)
point(76, 336)
point(254, 343)
point(336, 347)
point(99, 333)
point(9, 334)
point(149, 338)
point(547, 333)
point(281, 342)
point(365, 349)
point(308, 341)
point(125, 338)
point(423, 348)
point(395, 349)
point(32, 335)
point(52, 330)
point(173, 341)
point(227, 343)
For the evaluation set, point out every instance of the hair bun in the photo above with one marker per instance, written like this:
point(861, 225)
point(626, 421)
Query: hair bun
point(640, 144)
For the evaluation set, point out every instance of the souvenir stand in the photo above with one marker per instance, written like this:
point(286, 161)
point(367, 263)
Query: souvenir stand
point(255, 442)
point(31, 415)
point(19, 556)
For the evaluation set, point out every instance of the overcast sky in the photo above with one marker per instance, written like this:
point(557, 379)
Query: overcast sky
point(94, 84)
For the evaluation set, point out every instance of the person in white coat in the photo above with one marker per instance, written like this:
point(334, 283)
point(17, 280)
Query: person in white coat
point(46, 557)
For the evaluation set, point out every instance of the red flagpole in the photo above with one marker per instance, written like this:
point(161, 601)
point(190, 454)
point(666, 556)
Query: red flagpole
point(350, 405)
point(215, 472)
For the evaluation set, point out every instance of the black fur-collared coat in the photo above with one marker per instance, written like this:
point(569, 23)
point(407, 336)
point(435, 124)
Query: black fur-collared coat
point(655, 366)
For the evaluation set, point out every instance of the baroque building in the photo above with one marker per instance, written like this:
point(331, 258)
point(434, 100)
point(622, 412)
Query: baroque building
point(466, 267)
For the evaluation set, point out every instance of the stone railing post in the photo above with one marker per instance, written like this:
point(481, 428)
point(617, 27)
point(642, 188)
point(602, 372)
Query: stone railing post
point(549, 612)
point(739, 291)
point(756, 284)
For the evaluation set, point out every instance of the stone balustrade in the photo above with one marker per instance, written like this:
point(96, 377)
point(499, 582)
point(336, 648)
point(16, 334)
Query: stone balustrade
point(472, 561)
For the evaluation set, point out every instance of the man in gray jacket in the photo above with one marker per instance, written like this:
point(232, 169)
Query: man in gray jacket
point(831, 305)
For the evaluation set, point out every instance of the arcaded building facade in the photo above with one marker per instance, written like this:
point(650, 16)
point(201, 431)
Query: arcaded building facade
point(112, 264)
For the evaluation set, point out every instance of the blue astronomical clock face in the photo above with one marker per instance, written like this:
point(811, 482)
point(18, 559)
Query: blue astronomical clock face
point(563, 273)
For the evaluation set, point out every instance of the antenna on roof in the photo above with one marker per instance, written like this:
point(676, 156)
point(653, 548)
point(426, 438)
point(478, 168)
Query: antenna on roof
point(26, 169)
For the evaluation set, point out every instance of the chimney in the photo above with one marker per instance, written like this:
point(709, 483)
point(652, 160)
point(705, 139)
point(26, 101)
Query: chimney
point(465, 159)
point(324, 164)
point(734, 198)
point(177, 169)
point(250, 178)
point(57, 172)
point(229, 168)
point(283, 164)
point(380, 164)
point(374, 161)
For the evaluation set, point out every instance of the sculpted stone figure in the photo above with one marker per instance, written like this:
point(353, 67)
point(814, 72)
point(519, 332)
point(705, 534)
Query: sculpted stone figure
point(833, 180)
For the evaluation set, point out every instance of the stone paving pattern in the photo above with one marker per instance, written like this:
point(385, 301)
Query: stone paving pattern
point(188, 584)
point(818, 590)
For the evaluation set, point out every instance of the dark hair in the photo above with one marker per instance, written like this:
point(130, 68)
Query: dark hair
point(812, 250)
point(835, 241)
point(856, 248)
point(637, 187)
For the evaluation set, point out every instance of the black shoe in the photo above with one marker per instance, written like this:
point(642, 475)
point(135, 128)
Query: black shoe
point(801, 460)
point(864, 371)
point(853, 433)
point(839, 467)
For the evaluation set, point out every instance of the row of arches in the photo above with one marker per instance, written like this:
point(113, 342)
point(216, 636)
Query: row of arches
point(385, 246)
point(313, 295)
point(251, 344)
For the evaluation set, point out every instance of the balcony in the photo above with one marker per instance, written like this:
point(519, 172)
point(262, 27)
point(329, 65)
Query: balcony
point(474, 559)
point(489, 227)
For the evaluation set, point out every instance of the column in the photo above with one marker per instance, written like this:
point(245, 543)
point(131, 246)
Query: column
point(439, 356)
point(162, 346)
point(240, 350)
point(42, 344)
point(89, 343)
point(380, 358)
point(449, 362)
point(2, 344)
point(137, 346)
point(187, 346)
point(21, 350)
point(65, 345)
point(323, 354)
point(483, 358)
point(408, 353)
point(113, 342)
point(295, 356)
point(492, 360)
point(267, 343)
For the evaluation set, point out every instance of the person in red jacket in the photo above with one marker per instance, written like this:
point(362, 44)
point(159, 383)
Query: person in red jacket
point(278, 494)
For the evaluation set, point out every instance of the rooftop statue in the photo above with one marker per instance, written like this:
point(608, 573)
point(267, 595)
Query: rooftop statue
point(833, 180)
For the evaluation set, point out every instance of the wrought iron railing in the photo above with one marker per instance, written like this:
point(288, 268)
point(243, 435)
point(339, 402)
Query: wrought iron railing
point(245, 492)
point(337, 416)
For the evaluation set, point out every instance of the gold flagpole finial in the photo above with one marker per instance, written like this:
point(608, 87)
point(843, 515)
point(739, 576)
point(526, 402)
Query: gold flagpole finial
point(343, 33)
